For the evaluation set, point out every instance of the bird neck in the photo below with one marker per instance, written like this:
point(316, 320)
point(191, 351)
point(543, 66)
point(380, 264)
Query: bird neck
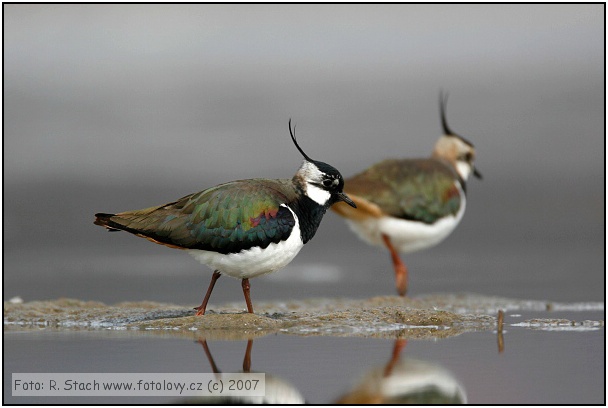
point(455, 169)
point(309, 214)
point(464, 169)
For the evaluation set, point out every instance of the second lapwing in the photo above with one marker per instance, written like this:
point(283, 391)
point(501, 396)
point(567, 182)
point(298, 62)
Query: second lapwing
point(244, 228)
point(407, 205)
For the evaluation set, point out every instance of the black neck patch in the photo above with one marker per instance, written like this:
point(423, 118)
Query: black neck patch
point(309, 214)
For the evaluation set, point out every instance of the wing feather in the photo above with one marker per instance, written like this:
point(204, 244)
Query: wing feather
point(421, 190)
point(227, 218)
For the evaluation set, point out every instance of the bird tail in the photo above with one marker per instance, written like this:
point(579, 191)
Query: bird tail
point(104, 220)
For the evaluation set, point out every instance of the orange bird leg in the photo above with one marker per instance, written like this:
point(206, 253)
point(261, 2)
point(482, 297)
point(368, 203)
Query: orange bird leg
point(247, 359)
point(397, 349)
point(201, 309)
point(203, 343)
point(246, 286)
point(400, 268)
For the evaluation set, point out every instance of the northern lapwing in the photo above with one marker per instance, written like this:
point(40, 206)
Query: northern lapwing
point(410, 204)
point(244, 228)
point(406, 381)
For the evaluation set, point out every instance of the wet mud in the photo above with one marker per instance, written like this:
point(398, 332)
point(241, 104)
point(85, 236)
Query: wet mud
point(430, 316)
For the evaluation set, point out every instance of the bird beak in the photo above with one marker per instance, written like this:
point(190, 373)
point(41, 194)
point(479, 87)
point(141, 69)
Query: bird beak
point(477, 174)
point(346, 199)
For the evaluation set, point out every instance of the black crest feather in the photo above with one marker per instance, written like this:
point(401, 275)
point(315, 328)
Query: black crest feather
point(293, 137)
point(443, 101)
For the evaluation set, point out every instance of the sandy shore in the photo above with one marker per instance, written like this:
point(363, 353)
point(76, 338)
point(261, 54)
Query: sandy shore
point(438, 315)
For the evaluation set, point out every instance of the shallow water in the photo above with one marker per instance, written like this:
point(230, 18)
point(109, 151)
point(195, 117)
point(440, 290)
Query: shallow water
point(544, 357)
point(535, 366)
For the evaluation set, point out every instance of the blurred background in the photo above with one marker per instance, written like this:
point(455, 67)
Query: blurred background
point(110, 108)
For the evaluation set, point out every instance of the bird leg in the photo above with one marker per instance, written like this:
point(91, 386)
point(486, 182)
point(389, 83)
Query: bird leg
point(203, 342)
point(247, 359)
point(400, 268)
point(201, 309)
point(246, 286)
point(397, 348)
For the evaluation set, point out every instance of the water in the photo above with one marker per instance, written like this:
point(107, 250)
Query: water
point(534, 367)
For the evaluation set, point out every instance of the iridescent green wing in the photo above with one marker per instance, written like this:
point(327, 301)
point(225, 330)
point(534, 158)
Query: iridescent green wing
point(227, 218)
point(422, 190)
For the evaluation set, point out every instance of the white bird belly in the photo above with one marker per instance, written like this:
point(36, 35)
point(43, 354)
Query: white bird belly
point(406, 236)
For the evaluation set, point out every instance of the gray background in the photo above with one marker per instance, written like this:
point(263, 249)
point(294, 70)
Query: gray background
point(118, 107)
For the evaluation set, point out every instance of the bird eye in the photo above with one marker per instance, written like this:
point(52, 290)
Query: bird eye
point(327, 182)
point(468, 157)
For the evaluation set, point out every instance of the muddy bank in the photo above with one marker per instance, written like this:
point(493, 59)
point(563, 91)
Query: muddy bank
point(440, 315)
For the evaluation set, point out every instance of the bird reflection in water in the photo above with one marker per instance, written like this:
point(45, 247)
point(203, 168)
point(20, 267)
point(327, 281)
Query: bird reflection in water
point(278, 391)
point(406, 381)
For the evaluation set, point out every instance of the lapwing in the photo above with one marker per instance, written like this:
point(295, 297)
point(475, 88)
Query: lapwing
point(244, 228)
point(406, 381)
point(276, 389)
point(411, 204)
